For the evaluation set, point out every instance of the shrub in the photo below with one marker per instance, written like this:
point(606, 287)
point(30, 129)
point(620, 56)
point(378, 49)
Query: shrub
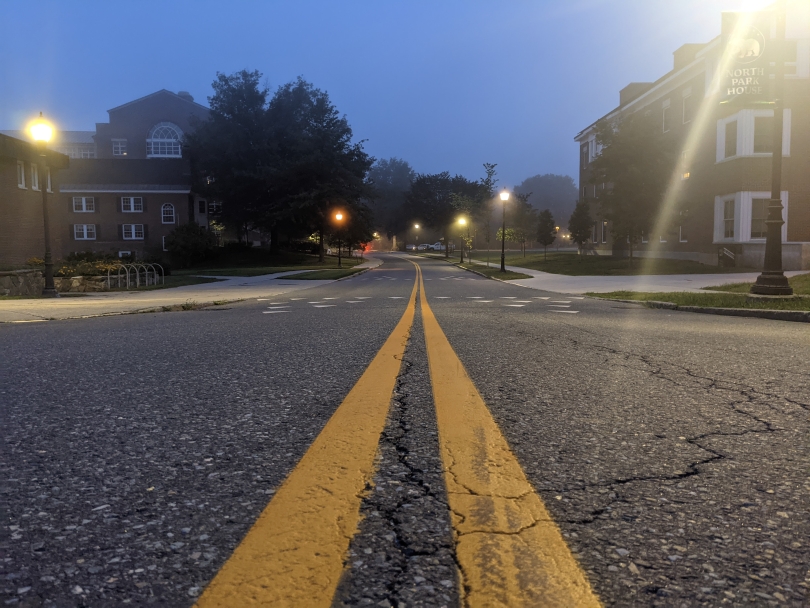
point(190, 243)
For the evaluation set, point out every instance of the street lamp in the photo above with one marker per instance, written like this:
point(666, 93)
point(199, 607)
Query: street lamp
point(462, 222)
point(41, 132)
point(504, 198)
point(339, 219)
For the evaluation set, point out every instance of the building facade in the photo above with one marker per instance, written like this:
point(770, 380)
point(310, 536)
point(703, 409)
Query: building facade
point(724, 178)
point(22, 233)
point(128, 185)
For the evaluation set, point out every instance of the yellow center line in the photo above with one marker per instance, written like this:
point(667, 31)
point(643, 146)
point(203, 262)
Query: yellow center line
point(509, 550)
point(293, 555)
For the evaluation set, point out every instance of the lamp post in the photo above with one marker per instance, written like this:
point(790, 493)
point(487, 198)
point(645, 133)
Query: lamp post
point(772, 280)
point(42, 132)
point(416, 236)
point(462, 222)
point(339, 219)
point(504, 198)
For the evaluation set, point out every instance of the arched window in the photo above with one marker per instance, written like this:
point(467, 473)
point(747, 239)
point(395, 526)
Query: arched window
point(164, 141)
point(167, 213)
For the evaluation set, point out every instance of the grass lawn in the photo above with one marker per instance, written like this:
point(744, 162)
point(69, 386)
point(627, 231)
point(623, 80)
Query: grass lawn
point(323, 275)
point(572, 264)
point(285, 263)
point(712, 300)
point(800, 284)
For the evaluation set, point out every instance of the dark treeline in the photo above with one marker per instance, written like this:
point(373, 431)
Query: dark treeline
point(285, 164)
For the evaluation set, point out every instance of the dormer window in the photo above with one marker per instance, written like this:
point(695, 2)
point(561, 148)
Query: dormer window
point(164, 141)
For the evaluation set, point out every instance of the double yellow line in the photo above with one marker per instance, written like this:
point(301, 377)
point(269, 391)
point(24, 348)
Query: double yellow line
point(509, 550)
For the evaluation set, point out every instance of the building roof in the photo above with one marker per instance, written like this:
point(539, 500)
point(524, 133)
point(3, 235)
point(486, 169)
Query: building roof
point(188, 99)
point(12, 147)
point(61, 137)
point(127, 188)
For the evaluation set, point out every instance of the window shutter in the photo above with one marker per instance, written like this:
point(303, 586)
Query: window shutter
point(98, 232)
point(72, 232)
point(120, 232)
point(95, 203)
point(121, 204)
point(143, 202)
point(70, 204)
point(145, 232)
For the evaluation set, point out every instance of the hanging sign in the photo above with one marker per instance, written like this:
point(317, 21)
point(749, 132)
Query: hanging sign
point(745, 63)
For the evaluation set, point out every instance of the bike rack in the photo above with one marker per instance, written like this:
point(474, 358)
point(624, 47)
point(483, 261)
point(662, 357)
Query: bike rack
point(137, 273)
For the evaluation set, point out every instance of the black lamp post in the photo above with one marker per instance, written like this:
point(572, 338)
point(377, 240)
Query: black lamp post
point(772, 281)
point(42, 132)
point(339, 219)
point(462, 222)
point(504, 198)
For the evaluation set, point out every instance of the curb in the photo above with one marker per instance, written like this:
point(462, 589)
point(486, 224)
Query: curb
point(797, 316)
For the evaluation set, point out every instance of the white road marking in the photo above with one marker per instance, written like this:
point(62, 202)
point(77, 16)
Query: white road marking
point(294, 299)
point(474, 297)
point(395, 297)
point(262, 299)
point(561, 301)
point(576, 298)
point(330, 298)
point(573, 312)
point(515, 305)
point(508, 297)
point(318, 302)
point(270, 312)
point(276, 307)
point(324, 306)
point(485, 301)
point(524, 301)
point(559, 306)
point(541, 298)
point(354, 301)
point(442, 297)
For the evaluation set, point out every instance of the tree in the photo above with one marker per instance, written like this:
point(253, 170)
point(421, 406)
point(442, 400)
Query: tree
point(317, 167)
point(557, 193)
point(229, 152)
point(581, 225)
point(546, 230)
point(634, 166)
point(524, 220)
point(390, 180)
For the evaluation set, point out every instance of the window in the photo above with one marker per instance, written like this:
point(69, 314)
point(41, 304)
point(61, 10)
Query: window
point(84, 204)
point(132, 232)
point(124, 254)
point(20, 174)
point(584, 192)
point(728, 219)
point(131, 204)
point(167, 213)
point(583, 155)
point(644, 237)
point(201, 207)
point(50, 189)
point(687, 109)
point(759, 213)
point(119, 147)
point(661, 239)
point(164, 141)
point(763, 134)
point(84, 232)
point(604, 232)
point(685, 173)
point(666, 119)
point(682, 234)
point(731, 139)
point(34, 176)
point(164, 244)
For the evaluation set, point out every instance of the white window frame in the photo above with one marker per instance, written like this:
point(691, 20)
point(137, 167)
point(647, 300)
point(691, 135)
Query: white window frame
point(119, 147)
point(745, 134)
point(129, 232)
point(83, 206)
point(163, 242)
point(21, 175)
point(661, 239)
point(742, 216)
point(121, 254)
point(604, 231)
point(49, 180)
point(87, 232)
point(751, 237)
point(664, 115)
point(680, 235)
point(166, 147)
point(644, 238)
point(163, 209)
point(34, 176)
point(132, 202)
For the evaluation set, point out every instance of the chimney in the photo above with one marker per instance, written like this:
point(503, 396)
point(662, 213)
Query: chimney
point(185, 95)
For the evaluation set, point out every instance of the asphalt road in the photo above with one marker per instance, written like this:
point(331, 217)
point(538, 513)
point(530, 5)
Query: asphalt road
point(671, 449)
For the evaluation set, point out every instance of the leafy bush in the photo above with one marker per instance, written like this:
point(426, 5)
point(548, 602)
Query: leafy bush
point(190, 243)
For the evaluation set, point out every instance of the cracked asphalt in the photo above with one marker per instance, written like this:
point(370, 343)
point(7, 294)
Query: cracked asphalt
point(672, 449)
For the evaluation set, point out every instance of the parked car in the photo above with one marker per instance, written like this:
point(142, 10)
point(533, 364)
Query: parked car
point(425, 247)
point(411, 247)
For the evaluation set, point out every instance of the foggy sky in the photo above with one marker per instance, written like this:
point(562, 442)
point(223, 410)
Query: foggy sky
point(445, 85)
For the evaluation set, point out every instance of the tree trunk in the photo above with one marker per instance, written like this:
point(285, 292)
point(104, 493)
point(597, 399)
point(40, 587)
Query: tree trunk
point(631, 253)
point(446, 245)
point(321, 252)
point(274, 240)
point(545, 252)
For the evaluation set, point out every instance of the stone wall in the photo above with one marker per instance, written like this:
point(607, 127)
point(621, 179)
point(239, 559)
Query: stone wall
point(31, 282)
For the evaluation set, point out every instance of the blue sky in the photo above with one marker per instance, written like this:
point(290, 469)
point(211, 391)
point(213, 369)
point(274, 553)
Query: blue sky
point(446, 85)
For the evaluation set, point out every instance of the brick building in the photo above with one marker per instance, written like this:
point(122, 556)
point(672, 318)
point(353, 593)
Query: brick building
point(724, 178)
point(128, 185)
point(22, 234)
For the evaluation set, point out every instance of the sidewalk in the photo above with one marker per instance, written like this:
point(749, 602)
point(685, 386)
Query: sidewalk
point(95, 304)
point(659, 282)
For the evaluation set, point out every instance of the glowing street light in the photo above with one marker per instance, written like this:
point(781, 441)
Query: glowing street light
point(504, 199)
point(41, 131)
